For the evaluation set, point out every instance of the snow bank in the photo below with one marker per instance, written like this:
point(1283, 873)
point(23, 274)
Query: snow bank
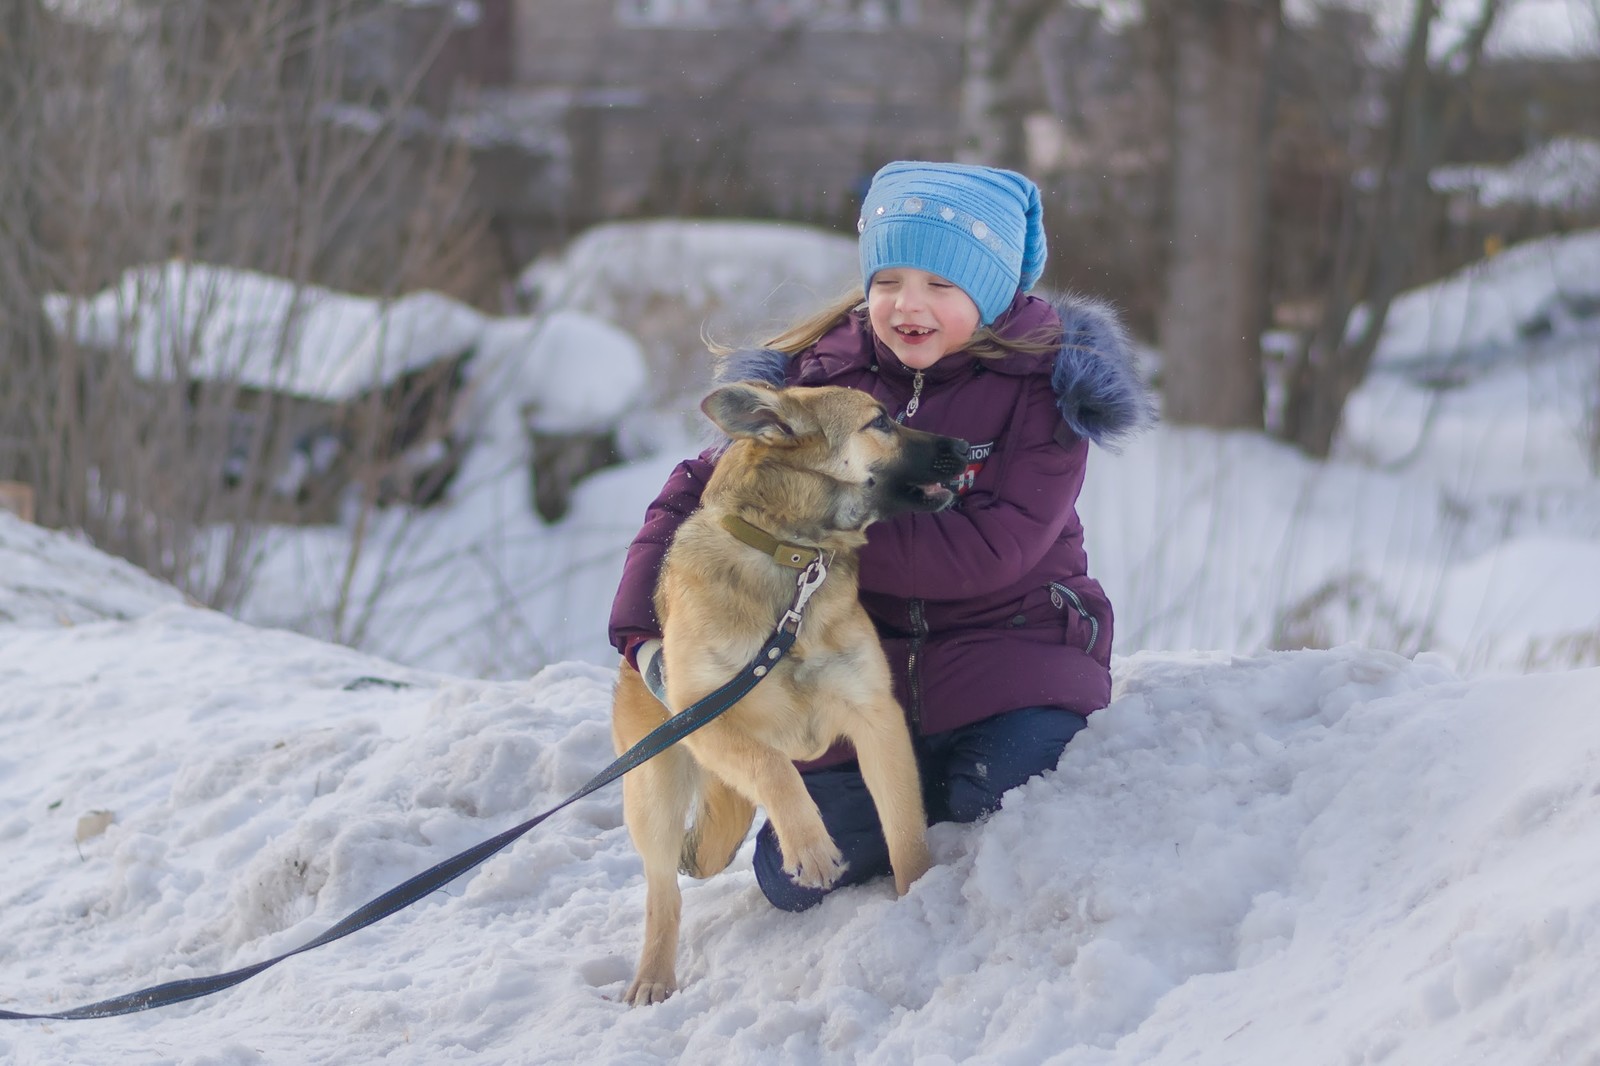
point(565, 372)
point(190, 320)
point(1242, 858)
point(1535, 292)
point(50, 579)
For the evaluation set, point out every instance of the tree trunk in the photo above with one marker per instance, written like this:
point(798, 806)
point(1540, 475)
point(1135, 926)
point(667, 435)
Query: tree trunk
point(25, 364)
point(1212, 318)
point(989, 116)
point(980, 138)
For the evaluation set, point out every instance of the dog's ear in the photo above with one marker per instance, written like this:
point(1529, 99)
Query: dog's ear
point(753, 411)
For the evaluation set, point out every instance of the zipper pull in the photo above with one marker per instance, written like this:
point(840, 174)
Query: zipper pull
point(916, 398)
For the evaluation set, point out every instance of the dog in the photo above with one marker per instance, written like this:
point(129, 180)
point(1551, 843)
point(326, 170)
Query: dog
point(813, 468)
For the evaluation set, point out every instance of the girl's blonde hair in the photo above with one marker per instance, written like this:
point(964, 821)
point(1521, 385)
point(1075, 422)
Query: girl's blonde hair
point(985, 343)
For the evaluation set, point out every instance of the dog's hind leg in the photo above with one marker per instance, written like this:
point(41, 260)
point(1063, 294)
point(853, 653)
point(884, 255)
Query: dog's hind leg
point(721, 821)
point(655, 822)
point(655, 801)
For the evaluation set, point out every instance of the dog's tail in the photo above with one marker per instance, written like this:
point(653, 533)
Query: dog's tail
point(722, 818)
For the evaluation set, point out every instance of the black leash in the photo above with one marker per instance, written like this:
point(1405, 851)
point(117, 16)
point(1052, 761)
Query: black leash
point(401, 896)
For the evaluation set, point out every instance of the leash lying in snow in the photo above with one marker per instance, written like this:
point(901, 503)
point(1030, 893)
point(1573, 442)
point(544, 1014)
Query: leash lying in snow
point(435, 877)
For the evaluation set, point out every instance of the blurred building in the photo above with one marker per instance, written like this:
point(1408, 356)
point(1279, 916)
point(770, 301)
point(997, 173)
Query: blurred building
point(754, 108)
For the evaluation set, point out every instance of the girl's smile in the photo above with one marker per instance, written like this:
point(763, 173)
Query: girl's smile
point(920, 316)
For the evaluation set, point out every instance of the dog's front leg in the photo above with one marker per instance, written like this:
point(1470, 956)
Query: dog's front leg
point(889, 767)
point(767, 776)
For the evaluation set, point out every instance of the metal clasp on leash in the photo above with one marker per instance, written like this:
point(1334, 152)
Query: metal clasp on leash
point(809, 581)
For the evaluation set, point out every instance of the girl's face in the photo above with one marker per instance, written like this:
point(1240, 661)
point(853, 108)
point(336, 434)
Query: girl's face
point(920, 316)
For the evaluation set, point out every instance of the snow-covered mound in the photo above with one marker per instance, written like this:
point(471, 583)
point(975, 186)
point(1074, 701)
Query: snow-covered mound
point(50, 580)
point(1243, 858)
point(1535, 294)
point(563, 372)
point(672, 282)
point(1477, 545)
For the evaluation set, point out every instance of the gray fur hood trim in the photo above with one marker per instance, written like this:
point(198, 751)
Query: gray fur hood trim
point(1095, 375)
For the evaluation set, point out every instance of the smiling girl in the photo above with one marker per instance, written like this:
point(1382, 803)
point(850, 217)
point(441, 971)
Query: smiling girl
point(999, 640)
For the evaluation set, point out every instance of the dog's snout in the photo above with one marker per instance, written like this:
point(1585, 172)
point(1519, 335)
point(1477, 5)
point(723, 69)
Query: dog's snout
point(950, 457)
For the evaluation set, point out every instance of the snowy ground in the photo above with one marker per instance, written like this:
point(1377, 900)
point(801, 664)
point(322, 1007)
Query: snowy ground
point(1247, 857)
point(1251, 857)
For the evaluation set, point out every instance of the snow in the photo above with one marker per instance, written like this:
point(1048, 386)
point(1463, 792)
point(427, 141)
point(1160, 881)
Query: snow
point(191, 320)
point(1540, 27)
point(1250, 855)
point(1253, 856)
point(52, 579)
point(568, 372)
point(1467, 441)
point(675, 282)
point(1562, 174)
point(1546, 28)
point(197, 321)
point(1546, 289)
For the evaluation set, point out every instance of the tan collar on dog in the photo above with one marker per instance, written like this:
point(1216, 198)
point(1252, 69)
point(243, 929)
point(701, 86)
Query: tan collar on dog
point(794, 556)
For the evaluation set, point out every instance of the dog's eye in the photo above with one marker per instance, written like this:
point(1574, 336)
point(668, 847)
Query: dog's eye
point(881, 423)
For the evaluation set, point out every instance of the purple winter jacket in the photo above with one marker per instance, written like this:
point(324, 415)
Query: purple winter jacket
point(986, 607)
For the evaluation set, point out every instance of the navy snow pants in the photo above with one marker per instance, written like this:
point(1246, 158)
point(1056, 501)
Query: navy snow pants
point(964, 774)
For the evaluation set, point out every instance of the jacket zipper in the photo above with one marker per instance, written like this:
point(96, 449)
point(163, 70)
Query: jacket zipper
point(919, 631)
point(1058, 591)
point(915, 401)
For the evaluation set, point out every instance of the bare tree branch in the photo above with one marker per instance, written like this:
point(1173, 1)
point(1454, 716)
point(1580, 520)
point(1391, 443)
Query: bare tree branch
point(1379, 233)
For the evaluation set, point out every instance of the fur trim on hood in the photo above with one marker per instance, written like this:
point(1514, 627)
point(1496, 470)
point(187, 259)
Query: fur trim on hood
point(1095, 374)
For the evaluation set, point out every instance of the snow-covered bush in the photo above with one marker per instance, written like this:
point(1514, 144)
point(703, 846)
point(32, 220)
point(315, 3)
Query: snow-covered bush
point(674, 282)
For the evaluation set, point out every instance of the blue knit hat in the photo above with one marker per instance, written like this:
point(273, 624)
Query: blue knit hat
point(979, 227)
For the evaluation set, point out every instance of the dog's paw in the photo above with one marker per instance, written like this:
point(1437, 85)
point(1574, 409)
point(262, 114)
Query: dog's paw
point(645, 991)
point(818, 866)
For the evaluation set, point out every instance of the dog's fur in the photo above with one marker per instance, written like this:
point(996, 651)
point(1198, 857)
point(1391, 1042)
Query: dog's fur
point(815, 467)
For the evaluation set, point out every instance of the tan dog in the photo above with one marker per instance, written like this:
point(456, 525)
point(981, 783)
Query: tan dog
point(812, 467)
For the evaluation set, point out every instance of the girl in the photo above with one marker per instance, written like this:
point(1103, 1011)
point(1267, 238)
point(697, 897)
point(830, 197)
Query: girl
point(999, 640)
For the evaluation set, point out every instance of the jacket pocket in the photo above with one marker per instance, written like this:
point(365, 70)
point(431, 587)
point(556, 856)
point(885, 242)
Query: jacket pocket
point(1063, 598)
